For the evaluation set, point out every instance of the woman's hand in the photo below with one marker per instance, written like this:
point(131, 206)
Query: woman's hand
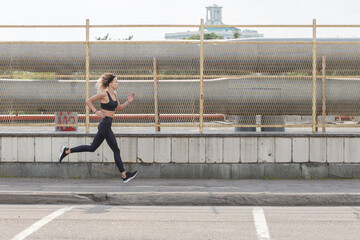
point(131, 97)
point(100, 114)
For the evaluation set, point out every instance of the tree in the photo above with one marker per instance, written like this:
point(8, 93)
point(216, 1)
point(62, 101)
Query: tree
point(212, 36)
point(237, 34)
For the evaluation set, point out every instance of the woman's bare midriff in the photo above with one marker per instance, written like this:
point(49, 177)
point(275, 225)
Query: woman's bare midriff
point(108, 113)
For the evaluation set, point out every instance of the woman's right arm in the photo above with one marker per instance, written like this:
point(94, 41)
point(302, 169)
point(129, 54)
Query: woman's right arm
point(89, 102)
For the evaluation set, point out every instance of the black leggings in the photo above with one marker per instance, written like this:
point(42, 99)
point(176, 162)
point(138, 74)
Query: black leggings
point(104, 132)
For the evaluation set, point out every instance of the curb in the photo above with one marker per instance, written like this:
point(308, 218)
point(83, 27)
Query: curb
point(235, 171)
point(184, 198)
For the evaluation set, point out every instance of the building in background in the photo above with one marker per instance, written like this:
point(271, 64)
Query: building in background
point(214, 17)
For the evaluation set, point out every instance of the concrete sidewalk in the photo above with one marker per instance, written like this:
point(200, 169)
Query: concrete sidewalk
point(180, 192)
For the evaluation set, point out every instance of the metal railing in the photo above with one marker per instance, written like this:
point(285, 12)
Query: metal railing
point(201, 74)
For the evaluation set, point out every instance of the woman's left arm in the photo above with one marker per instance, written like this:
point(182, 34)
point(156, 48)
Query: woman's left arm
point(121, 107)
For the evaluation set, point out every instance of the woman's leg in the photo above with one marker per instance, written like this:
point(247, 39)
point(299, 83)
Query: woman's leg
point(98, 139)
point(111, 140)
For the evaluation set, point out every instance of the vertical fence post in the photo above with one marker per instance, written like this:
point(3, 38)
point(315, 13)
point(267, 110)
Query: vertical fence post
point(87, 74)
point(324, 93)
point(156, 99)
point(314, 117)
point(201, 75)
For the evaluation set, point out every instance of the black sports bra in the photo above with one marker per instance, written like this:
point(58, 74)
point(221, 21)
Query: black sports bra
point(111, 105)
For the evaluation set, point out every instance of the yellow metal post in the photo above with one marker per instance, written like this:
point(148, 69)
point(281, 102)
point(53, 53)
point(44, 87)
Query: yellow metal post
point(314, 120)
point(324, 93)
point(201, 75)
point(87, 74)
point(156, 99)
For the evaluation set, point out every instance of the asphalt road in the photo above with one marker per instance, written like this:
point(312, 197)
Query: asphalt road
point(172, 222)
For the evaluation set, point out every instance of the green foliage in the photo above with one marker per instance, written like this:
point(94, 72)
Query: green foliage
point(11, 112)
point(129, 37)
point(342, 73)
point(207, 36)
point(193, 37)
point(107, 38)
point(26, 75)
point(237, 34)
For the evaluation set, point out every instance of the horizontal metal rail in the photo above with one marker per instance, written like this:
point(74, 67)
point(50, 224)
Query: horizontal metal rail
point(195, 77)
point(179, 125)
point(182, 26)
point(42, 26)
point(51, 117)
point(42, 42)
point(179, 42)
point(42, 125)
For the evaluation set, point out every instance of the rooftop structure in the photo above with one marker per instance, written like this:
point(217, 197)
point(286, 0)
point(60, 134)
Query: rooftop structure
point(214, 17)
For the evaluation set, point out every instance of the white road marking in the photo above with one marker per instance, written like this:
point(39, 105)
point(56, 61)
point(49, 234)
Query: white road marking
point(260, 224)
point(36, 226)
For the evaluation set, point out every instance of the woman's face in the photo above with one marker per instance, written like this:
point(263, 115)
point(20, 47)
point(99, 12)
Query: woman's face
point(114, 83)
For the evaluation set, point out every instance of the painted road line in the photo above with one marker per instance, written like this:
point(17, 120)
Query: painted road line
point(260, 224)
point(36, 226)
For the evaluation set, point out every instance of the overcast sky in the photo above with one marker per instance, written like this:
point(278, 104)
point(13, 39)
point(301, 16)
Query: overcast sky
point(48, 12)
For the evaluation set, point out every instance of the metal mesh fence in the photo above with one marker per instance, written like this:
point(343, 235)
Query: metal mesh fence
point(270, 80)
point(342, 90)
point(246, 83)
point(137, 65)
point(34, 78)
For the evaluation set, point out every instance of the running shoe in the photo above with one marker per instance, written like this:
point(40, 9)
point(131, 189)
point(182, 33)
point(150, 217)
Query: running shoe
point(62, 153)
point(129, 176)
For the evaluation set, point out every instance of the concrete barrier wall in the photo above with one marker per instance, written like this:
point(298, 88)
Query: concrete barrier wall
point(190, 148)
point(185, 150)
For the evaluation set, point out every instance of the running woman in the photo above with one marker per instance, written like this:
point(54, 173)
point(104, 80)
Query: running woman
point(106, 85)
